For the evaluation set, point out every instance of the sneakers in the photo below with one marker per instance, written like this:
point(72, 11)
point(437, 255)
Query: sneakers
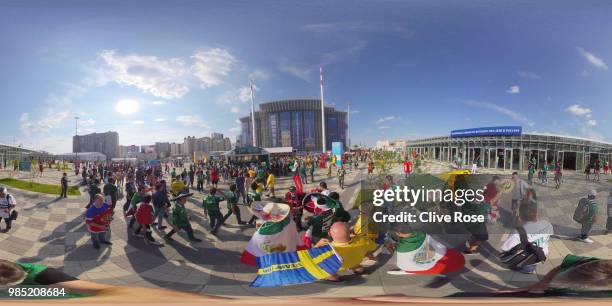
point(469, 252)
point(398, 272)
point(587, 240)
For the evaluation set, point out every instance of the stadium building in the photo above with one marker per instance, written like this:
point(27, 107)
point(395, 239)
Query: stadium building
point(294, 123)
point(508, 148)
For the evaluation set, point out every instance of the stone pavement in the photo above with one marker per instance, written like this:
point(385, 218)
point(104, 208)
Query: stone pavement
point(51, 231)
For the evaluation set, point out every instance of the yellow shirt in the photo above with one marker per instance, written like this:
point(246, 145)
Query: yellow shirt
point(259, 188)
point(354, 251)
point(271, 180)
point(177, 187)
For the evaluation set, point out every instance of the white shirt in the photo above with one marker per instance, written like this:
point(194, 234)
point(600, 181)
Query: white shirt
point(538, 232)
point(5, 202)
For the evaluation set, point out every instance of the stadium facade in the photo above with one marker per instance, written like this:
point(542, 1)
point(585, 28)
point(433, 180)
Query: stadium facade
point(294, 123)
point(509, 148)
point(9, 154)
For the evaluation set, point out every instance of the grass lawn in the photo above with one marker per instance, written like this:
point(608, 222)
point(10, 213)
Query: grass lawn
point(37, 187)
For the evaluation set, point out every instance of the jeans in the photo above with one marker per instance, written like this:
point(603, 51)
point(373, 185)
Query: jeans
point(240, 192)
point(64, 191)
point(584, 231)
point(159, 213)
point(187, 228)
point(97, 238)
point(216, 219)
point(527, 269)
point(236, 211)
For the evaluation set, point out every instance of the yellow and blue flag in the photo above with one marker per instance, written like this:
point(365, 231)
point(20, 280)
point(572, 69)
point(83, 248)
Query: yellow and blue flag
point(294, 268)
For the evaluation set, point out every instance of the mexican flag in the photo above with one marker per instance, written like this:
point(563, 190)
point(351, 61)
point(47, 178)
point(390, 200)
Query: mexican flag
point(422, 254)
point(272, 237)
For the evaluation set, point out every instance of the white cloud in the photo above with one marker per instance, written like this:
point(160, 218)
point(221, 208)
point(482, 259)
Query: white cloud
point(384, 127)
point(528, 75)
point(355, 111)
point(191, 120)
point(578, 110)
point(591, 122)
point(295, 70)
point(211, 66)
point(242, 94)
point(159, 102)
point(138, 122)
point(259, 75)
point(335, 55)
point(342, 28)
point(502, 110)
point(235, 109)
point(160, 119)
point(87, 122)
point(158, 77)
point(513, 89)
point(384, 119)
point(48, 120)
point(235, 130)
point(593, 60)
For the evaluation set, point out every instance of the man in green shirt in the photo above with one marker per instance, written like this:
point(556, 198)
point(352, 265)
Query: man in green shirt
point(341, 174)
point(136, 199)
point(211, 204)
point(232, 198)
point(180, 218)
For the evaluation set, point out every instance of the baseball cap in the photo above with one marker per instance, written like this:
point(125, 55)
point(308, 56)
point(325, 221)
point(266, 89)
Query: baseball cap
point(592, 193)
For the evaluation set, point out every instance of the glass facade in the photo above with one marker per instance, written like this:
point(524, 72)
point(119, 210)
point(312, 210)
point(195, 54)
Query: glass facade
point(285, 129)
point(297, 130)
point(295, 123)
point(514, 152)
point(309, 131)
point(246, 133)
point(273, 121)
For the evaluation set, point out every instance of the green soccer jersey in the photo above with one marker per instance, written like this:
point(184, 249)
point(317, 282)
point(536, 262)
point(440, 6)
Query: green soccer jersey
point(211, 202)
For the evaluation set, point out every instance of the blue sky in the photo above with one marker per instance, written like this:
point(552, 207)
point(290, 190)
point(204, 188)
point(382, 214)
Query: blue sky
point(409, 68)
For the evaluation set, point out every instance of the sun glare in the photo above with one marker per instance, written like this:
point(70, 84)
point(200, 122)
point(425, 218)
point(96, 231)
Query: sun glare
point(127, 107)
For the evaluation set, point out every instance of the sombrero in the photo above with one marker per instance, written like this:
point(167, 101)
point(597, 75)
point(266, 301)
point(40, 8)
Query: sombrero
point(318, 203)
point(270, 211)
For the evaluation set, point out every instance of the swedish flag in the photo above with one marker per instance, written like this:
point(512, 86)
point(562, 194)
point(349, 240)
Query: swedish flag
point(293, 268)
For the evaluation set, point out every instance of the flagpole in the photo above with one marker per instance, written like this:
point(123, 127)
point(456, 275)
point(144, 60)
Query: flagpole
point(253, 114)
point(323, 144)
point(348, 126)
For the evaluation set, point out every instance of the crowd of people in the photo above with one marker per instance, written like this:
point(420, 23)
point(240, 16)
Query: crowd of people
point(156, 195)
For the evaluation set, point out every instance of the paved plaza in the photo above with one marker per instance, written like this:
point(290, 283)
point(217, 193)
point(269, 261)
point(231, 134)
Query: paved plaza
point(51, 231)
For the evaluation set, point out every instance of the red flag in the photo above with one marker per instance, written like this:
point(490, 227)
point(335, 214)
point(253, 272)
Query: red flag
point(298, 183)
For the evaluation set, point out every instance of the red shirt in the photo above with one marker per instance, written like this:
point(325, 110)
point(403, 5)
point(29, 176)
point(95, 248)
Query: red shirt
point(407, 167)
point(144, 214)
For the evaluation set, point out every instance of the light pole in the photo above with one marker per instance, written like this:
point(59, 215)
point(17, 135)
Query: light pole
point(76, 133)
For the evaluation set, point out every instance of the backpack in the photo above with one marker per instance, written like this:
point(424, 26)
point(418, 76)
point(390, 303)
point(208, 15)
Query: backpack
point(582, 212)
point(523, 254)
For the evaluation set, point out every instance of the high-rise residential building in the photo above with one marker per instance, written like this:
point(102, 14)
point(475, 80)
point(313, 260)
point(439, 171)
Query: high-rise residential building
point(163, 149)
point(216, 135)
point(105, 143)
point(189, 145)
point(176, 149)
point(295, 123)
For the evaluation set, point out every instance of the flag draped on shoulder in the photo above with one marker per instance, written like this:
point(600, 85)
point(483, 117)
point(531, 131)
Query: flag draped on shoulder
point(422, 254)
point(271, 237)
point(293, 268)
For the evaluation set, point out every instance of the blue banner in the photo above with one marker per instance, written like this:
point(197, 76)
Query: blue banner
point(338, 150)
point(489, 131)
